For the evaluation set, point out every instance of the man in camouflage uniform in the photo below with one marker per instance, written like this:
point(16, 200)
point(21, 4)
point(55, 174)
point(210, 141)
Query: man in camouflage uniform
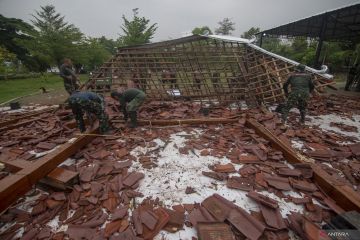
point(130, 101)
point(301, 87)
point(91, 103)
point(71, 81)
point(351, 77)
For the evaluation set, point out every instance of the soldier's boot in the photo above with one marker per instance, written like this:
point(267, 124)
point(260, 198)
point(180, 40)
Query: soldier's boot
point(126, 117)
point(133, 119)
point(284, 118)
point(302, 117)
point(82, 128)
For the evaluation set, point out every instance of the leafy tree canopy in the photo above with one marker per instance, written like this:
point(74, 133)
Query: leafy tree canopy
point(251, 33)
point(226, 27)
point(12, 33)
point(204, 30)
point(137, 31)
point(55, 38)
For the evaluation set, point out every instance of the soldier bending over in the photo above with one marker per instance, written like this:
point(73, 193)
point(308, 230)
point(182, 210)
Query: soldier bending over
point(91, 103)
point(130, 101)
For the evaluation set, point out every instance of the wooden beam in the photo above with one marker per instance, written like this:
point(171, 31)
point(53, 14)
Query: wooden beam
point(59, 177)
point(16, 185)
point(173, 122)
point(343, 195)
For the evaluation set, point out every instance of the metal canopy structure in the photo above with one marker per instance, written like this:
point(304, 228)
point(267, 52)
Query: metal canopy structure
point(212, 68)
point(342, 24)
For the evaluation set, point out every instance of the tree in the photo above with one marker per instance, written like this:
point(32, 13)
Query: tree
point(204, 30)
point(95, 53)
point(55, 39)
point(226, 27)
point(13, 33)
point(137, 30)
point(251, 33)
point(109, 44)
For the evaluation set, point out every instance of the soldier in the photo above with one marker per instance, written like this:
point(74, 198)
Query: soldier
point(130, 101)
point(90, 103)
point(351, 77)
point(198, 79)
point(301, 87)
point(71, 81)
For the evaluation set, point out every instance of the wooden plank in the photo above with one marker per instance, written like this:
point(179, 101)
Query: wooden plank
point(16, 185)
point(173, 122)
point(343, 195)
point(59, 177)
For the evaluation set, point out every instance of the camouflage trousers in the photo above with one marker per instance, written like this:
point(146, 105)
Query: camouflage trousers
point(71, 86)
point(79, 106)
point(296, 99)
point(134, 104)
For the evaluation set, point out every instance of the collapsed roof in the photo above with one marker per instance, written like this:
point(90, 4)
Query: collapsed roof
point(207, 68)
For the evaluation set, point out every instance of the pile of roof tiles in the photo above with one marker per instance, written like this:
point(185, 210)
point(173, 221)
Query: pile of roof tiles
point(102, 206)
point(338, 104)
point(42, 134)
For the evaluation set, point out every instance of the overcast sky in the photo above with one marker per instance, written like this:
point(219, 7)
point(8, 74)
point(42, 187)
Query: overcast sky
point(96, 18)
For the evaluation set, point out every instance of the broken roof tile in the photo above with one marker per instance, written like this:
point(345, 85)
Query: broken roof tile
point(137, 221)
point(303, 185)
point(178, 208)
point(248, 159)
point(123, 164)
point(216, 208)
point(278, 182)
point(119, 213)
point(149, 219)
point(199, 215)
point(226, 168)
point(133, 178)
point(215, 231)
point(176, 221)
point(289, 172)
point(112, 227)
point(120, 153)
point(79, 232)
point(272, 217)
point(263, 199)
point(46, 145)
point(240, 183)
point(58, 196)
point(163, 219)
point(101, 154)
point(246, 224)
point(215, 175)
point(305, 168)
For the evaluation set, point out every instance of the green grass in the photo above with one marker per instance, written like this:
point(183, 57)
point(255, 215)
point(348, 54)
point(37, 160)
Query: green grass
point(10, 89)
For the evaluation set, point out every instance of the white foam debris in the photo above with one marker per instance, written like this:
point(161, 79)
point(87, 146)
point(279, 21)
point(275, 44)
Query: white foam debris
point(71, 140)
point(323, 121)
point(69, 162)
point(175, 172)
point(297, 144)
point(40, 154)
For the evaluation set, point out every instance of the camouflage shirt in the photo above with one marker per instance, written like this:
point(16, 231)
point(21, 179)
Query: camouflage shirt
point(85, 96)
point(299, 82)
point(66, 72)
